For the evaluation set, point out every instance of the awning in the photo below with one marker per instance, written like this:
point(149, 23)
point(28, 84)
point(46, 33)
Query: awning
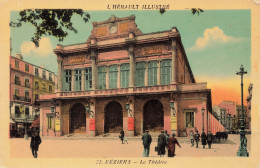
point(12, 121)
point(36, 123)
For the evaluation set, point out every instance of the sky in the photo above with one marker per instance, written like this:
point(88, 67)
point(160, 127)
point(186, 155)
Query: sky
point(216, 42)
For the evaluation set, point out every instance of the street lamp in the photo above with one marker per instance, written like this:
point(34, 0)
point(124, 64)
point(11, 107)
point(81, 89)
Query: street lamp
point(202, 111)
point(242, 151)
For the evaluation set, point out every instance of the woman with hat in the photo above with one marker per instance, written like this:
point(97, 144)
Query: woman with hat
point(171, 145)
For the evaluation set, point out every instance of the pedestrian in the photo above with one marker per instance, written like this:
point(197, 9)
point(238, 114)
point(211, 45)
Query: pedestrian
point(161, 144)
point(147, 140)
point(125, 140)
point(121, 136)
point(197, 138)
point(192, 138)
point(203, 139)
point(35, 142)
point(209, 138)
point(171, 145)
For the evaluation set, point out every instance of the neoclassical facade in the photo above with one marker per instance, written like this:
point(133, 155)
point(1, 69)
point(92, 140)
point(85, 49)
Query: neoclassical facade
point(122, 79)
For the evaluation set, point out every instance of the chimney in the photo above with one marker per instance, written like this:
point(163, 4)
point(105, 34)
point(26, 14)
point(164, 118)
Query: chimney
point(19, 56)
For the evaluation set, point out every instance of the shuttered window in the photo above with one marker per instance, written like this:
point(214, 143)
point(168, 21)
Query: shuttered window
point(113, 77)
point(88, 78)
point(124, 75)
point(189, 119)
point(102, 77)
point(77, 80)
point(66, 80)
point(139, 73)
point(152, 73)
point(165, 72)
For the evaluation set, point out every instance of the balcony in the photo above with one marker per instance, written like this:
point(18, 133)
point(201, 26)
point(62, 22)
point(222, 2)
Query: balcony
point(194, 87)
point(21, 98)
point(15, 97)
point(22, 116)
point(17, 82)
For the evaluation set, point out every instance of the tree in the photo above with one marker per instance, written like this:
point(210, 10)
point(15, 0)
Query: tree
point(49, 22)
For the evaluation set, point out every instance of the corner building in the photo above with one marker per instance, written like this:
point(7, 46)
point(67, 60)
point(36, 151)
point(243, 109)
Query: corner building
point(124, 79)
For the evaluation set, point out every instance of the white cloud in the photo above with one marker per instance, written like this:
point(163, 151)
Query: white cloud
point(211, 37)
point(44, 48)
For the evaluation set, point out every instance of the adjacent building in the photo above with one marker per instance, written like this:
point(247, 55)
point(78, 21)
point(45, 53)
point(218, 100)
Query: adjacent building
point(24, 91)
point(123, 79)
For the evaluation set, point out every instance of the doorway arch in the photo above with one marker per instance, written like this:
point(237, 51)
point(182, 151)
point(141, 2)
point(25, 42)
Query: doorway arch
point(153, 116)
point(78, 118)
point(113, 117)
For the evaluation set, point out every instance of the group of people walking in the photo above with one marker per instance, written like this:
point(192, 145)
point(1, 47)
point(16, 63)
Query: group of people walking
point(205, 139)
point(164, 141)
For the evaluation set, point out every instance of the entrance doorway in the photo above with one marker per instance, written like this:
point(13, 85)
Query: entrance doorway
point(113, 117)
point(153, 116)
point(78, 119)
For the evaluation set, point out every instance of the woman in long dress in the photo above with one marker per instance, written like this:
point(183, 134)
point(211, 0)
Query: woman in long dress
point(171, 145)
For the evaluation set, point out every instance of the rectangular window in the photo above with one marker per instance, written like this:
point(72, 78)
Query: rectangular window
point(27, 96)
point(27, 83)
point(27, 67)
point(16, 64)
point(17, 80)
point(139, 73)
point(36, 96)
point(165, 72)
point(43, 87)
point(66, 80)
point(88, 78)
point(124, 75)
point(17, 92)
point(44, 74)
point(17, 110)
point(50, 88)
point(50, 76)
point(36, 72)
point(189, 119)
point(77, 80)
point(50, 124)
point(26, 111)
point(36, 83)
point(152, 73)
point(113, 77)
point(102, 77)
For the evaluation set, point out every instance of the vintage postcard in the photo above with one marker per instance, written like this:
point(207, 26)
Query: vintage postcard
point(136, 84)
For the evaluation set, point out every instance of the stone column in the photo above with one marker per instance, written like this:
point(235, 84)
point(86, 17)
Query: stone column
point(173, 68)
point(146, 73)
point(94, 69)
point(82, 79)
point(159, 72)
point(118, 76)
point(72, 80)
point(132, 66)
point(107, 77)
point(59, 74)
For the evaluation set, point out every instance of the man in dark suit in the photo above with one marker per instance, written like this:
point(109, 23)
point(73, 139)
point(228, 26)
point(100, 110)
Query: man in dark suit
point(147, 140)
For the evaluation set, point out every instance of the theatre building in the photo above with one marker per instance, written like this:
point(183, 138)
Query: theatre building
point(123, 79)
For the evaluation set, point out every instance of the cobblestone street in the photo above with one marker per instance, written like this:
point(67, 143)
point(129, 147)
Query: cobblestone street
point(111, 147)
